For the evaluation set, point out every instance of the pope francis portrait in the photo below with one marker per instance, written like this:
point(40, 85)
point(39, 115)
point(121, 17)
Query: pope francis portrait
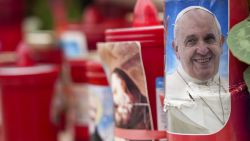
point(197, 100)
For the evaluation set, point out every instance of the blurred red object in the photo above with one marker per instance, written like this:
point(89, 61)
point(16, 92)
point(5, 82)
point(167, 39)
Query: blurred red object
point(145, 14)
point(11, 15)
point(26, 94)
point(98, 18)
point(24, 55)
point(59, 15)
point(10, 36)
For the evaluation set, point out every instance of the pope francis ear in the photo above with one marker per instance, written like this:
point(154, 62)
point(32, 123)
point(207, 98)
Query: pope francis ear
point(175, 48)
point(222, 40)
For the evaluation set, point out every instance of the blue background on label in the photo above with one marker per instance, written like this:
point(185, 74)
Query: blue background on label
point(159, 82)
point(71, 48)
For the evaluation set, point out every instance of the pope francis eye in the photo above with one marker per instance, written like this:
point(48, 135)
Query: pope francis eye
point(197, 100)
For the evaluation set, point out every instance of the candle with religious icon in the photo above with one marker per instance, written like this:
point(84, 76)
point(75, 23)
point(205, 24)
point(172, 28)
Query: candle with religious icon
point(126, 74)
point(132, 66)
point(198, 102)
point(132, 72)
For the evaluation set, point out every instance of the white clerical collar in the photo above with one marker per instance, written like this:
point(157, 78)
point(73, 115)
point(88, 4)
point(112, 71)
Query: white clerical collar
point(188, 78)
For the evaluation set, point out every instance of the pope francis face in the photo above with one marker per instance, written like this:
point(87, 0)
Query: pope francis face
point(198, 44)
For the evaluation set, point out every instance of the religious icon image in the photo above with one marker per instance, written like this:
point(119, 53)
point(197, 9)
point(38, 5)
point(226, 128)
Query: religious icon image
point(127, 80)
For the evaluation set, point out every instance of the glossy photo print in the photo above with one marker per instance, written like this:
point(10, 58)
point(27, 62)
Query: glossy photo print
point(197, 98)
point(122, 61)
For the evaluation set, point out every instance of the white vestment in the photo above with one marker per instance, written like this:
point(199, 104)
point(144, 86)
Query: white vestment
point(195, 107)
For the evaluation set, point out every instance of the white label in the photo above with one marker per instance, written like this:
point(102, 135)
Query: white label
point(101, 112)
point(161, 115)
